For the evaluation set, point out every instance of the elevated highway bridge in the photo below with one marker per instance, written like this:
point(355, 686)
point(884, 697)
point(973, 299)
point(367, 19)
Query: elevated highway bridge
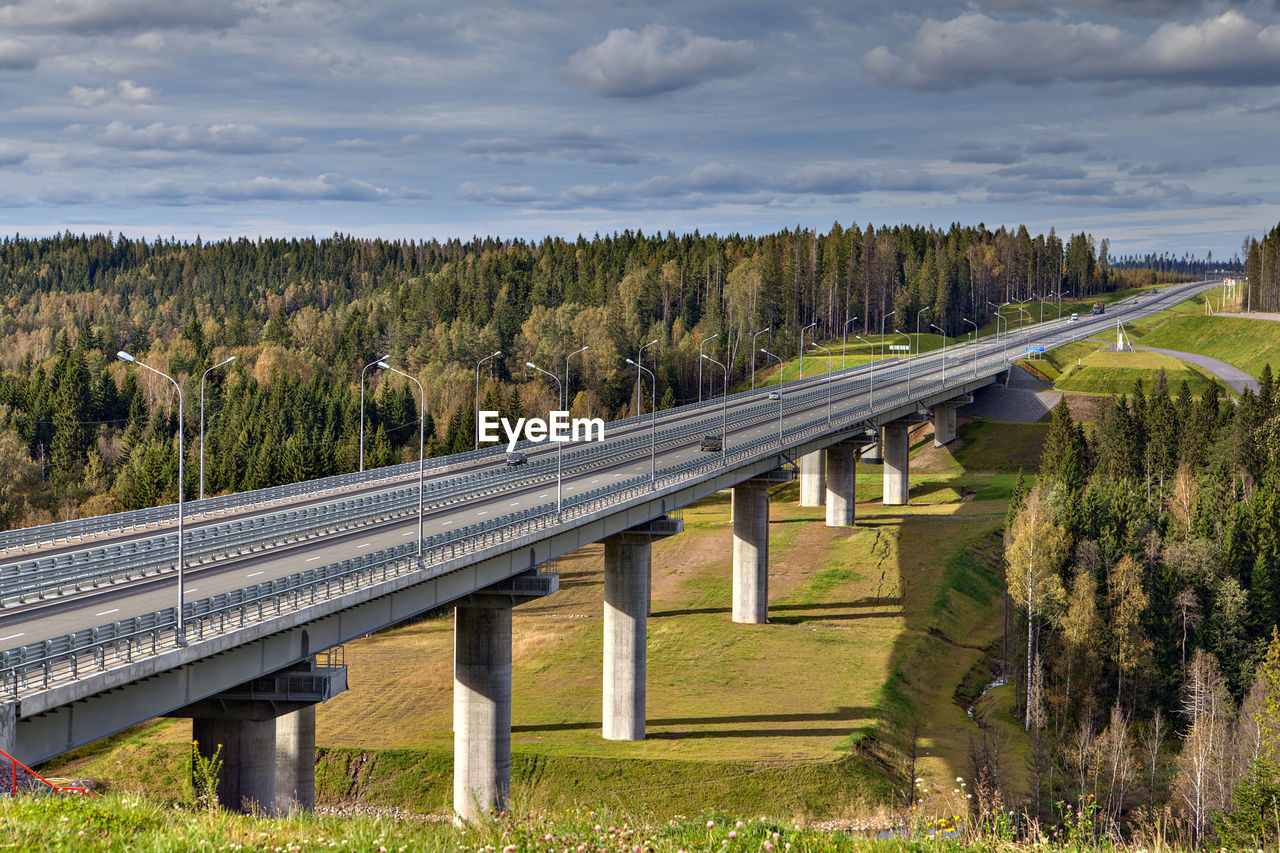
point(277, 580)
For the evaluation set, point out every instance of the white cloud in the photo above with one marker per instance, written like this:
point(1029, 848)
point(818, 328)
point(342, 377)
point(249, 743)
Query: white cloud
point(214, 138)
point(328, 187)
point(569, 143)
point(99, 17)
point(126, 93)
point(1227, 50)
point(657, 59)
point(17, 55)
point(12, 155)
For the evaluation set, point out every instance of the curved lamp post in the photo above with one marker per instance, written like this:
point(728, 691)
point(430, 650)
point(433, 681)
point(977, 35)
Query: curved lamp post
point(180, 629)
point(830, 376)
point(639, 361)
point(559, 445)
point(753, 354)
point(564, 402)
point(653, 422)
point(975, 344)
point(882, 319)
point(802, 331)
point(771, 355)
point(202, 376)
point(422, 419)
point(700, 357)
point(944, 349)
point(844, 356)
point(724, 413)
point(477, 409)
point(373, 363)
point(916, 351)
point(871, 395)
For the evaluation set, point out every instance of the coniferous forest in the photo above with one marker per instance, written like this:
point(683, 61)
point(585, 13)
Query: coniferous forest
point(86, 435)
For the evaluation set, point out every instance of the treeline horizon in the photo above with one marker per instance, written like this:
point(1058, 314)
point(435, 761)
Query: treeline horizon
point(304, 316)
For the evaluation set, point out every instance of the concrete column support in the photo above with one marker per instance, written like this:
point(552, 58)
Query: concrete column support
point(813, 480)
point(874, 453)
point(627, 558)
point(296, 761)
point(751, 552)
point(897, 463)
point(8, 726)
point(944, 424)
point(842, 465)
point(481, 705)
point(247, 750)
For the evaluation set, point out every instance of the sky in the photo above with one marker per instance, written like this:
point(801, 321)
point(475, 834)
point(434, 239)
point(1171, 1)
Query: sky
point(1153, 123)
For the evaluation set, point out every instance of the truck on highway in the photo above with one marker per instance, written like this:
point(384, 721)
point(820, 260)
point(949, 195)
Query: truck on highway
point(1099, 308)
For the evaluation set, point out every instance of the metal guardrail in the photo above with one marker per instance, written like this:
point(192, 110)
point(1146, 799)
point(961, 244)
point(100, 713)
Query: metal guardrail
point(38, 666)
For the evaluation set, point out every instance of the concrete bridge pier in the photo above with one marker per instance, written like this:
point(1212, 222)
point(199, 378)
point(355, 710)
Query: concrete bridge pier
point(482, 692)
point(751, 547)
point(263, 734)
point(873, 454)
point(944, 420)
point(897, 462)
point(627, 559)
point(842, 467)
point(813, 479)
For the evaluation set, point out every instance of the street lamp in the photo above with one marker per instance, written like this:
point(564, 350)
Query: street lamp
point(564, 403)
point(373, 363)
point(422, 420)
point(771, 355)
point(944, 349)
point(640, 360)
point(871, 395)
point(975, 344)
point(918, 313)
point(477, 409)
point(700, 357)
point(202, 376)
point(909, 359)
point(724, 413)
point(1026, 330)
point(653, 422)
point(559, 445)
point(882, 319)
point(753, 357)
point(1061, 294)
point(830, 376)
point(802, 331)
point(179, 631)
point(844, 356)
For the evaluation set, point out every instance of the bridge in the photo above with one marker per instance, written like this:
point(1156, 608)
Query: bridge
point(275, 581)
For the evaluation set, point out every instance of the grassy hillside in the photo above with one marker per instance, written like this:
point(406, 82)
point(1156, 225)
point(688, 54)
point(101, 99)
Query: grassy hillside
point(1116, 372)
point(1247, 344)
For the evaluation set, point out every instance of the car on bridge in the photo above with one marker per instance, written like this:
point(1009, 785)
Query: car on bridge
point(774, 395)
point(515, 458)
point(711, 444)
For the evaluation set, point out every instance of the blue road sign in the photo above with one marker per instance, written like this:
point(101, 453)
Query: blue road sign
point(1035, 349)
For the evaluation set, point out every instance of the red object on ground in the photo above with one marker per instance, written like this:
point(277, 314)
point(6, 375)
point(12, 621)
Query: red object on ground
point(17, 778)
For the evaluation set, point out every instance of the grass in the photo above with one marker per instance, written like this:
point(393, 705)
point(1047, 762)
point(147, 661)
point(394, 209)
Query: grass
point(1246, 344)
point(1105, 372)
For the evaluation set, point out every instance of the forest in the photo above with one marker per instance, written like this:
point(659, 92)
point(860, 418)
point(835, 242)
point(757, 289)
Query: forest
point(303, 318)
point(1145, 564)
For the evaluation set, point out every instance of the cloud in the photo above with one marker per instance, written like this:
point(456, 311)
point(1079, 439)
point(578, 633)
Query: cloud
point(567, 144)
point(214, 138)
point(17, 56)
point(658, 59)
point(126, 93)
point(405, 144)
point(11, 155)
point(103, 17)
point(976, 152)
point(328, 187)
point(973, 48)
point(1043, 172)
point(1056, 145)
point(1181, 167)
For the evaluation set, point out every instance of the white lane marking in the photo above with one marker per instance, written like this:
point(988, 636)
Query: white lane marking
point(363, 545)
point(483, 512)
point(542, 496)
point(312, 559)
point(514, 503)
point(189, 591)
point(619, 474)
point(108, 612)
point(13, 636)
point(445, 523)
point(253, 574)
point(410, 533)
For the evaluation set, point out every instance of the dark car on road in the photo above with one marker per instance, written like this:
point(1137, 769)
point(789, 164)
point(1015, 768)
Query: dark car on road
point(515, 458)
point(710, 443)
